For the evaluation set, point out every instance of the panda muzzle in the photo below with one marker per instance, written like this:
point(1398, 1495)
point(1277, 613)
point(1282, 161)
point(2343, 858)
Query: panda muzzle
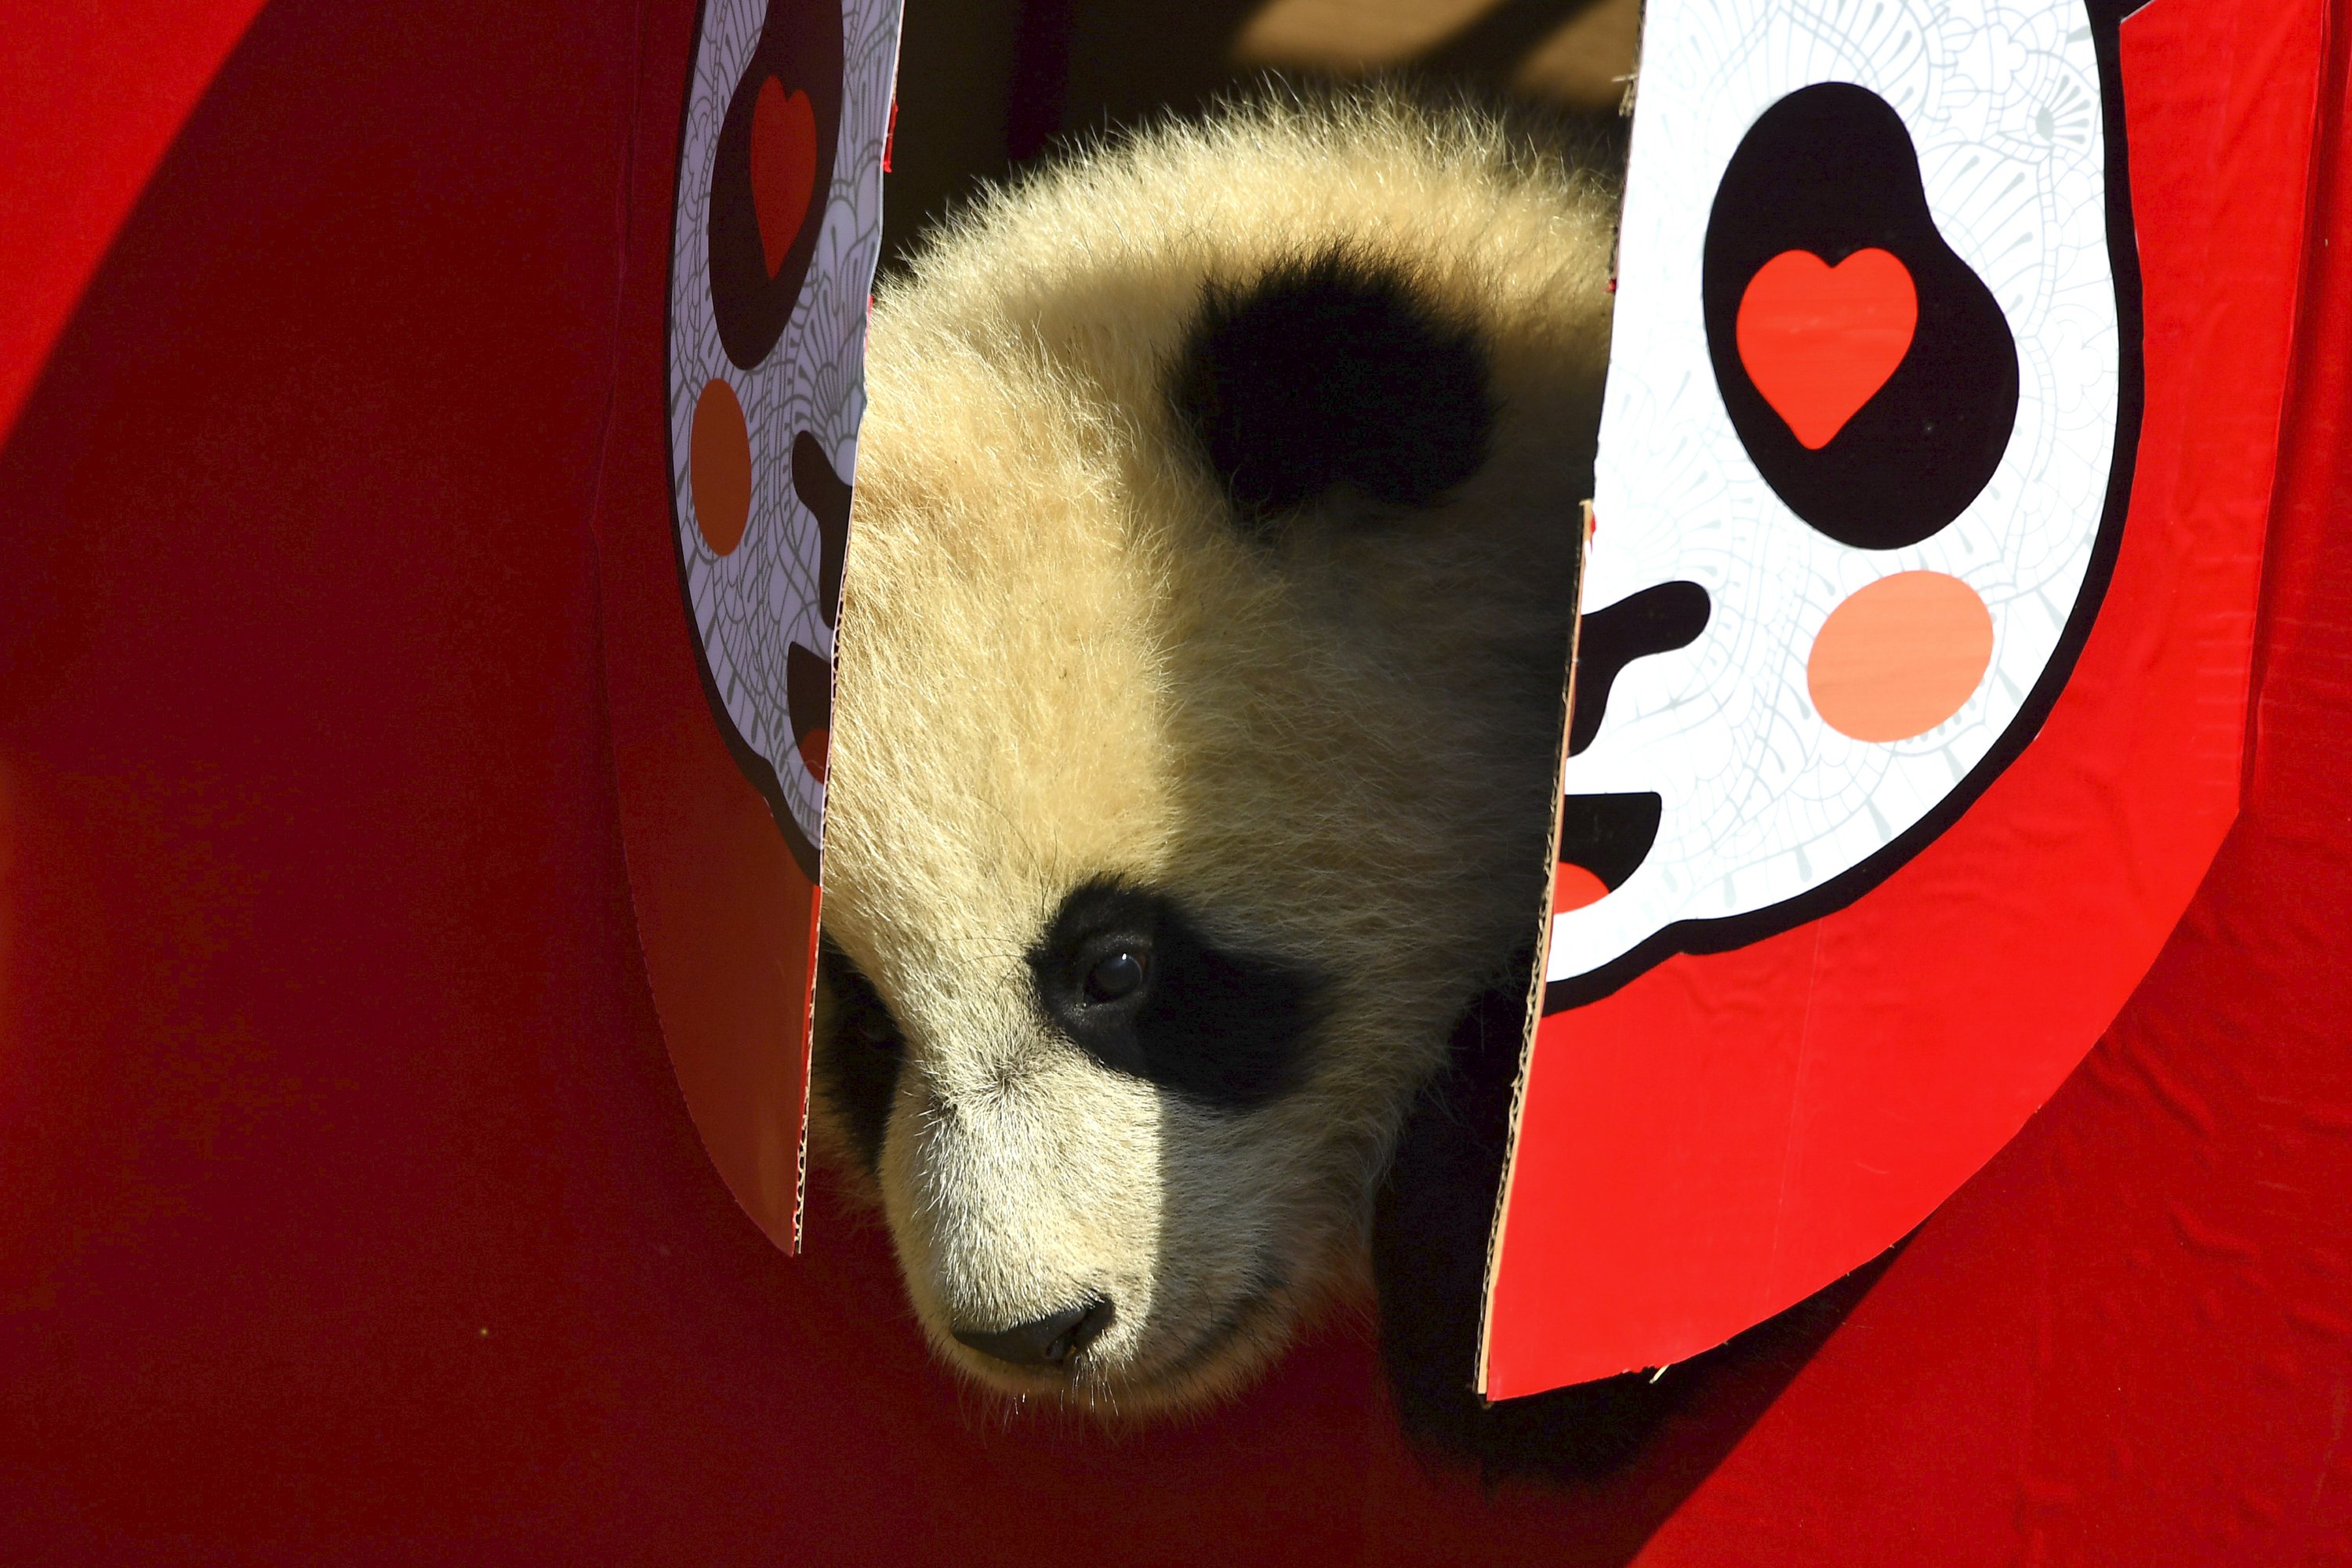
point(1049, 1342)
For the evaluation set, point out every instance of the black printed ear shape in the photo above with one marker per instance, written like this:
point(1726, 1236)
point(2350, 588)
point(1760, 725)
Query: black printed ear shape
point(1332, 370)
point(1869, 372)
point(772, 172)
point(1658, 619)
point(808, 698)
point(827, 499)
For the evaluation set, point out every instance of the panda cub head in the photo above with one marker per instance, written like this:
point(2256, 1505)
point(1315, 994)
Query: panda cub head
point(1216, 527)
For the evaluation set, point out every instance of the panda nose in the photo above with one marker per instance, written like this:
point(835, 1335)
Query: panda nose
point(1041, 1341)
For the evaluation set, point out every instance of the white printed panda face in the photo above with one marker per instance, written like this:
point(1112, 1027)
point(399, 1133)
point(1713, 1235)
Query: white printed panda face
point(777, 232)
point(1857, 490)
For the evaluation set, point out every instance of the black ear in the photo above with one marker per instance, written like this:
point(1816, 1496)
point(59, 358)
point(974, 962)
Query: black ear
point(1332, 368)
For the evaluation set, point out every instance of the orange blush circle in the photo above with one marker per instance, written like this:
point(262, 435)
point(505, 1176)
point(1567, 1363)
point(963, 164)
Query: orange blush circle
point(718, 468)
point(1900, 656)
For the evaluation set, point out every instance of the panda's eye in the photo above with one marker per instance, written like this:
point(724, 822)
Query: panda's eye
point(1127, 976)
point(1118, 975)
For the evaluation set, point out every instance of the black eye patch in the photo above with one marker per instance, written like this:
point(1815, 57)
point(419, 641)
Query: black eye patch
point(859, 1051)
point(1127, 976)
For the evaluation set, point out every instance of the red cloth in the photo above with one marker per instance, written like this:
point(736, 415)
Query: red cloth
point(348, 1210)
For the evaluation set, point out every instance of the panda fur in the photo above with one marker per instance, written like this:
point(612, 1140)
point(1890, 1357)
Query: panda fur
point(1198, 703)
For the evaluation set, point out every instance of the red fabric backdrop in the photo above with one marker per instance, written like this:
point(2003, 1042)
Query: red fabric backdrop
point(348, 1210)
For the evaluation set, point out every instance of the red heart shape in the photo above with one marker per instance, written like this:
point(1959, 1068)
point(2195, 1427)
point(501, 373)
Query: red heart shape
point(783, 168)
point(1819, 341)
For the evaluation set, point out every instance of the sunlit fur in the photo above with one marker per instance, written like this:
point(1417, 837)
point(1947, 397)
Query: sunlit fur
point(1061, 660)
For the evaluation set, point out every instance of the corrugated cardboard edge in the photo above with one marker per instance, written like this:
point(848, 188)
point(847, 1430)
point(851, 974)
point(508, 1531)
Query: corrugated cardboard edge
point(841, 615)
point(808, 1071)
point(1533, 1016)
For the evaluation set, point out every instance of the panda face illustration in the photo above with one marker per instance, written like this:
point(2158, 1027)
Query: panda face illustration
point(1861, 459)
point(778, 228)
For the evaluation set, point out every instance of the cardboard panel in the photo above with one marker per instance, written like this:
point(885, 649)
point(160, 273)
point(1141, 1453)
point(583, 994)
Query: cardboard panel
point(719, 609)
point(1768, 1056)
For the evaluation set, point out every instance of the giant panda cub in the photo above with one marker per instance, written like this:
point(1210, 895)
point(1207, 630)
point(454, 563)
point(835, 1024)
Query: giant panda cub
point(1199, 705)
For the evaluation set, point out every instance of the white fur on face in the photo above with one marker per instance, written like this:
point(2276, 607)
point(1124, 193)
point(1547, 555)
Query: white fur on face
point(1071, 1184)
point(1064, 666)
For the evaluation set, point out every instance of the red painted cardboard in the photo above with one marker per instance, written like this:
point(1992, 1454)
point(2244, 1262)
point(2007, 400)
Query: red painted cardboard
point(725, 913)
point(1731, 1131)
point(720, 594)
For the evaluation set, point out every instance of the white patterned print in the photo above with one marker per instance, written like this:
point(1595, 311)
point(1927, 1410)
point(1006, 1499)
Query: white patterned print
point(752, 604)
point(1763, 801)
